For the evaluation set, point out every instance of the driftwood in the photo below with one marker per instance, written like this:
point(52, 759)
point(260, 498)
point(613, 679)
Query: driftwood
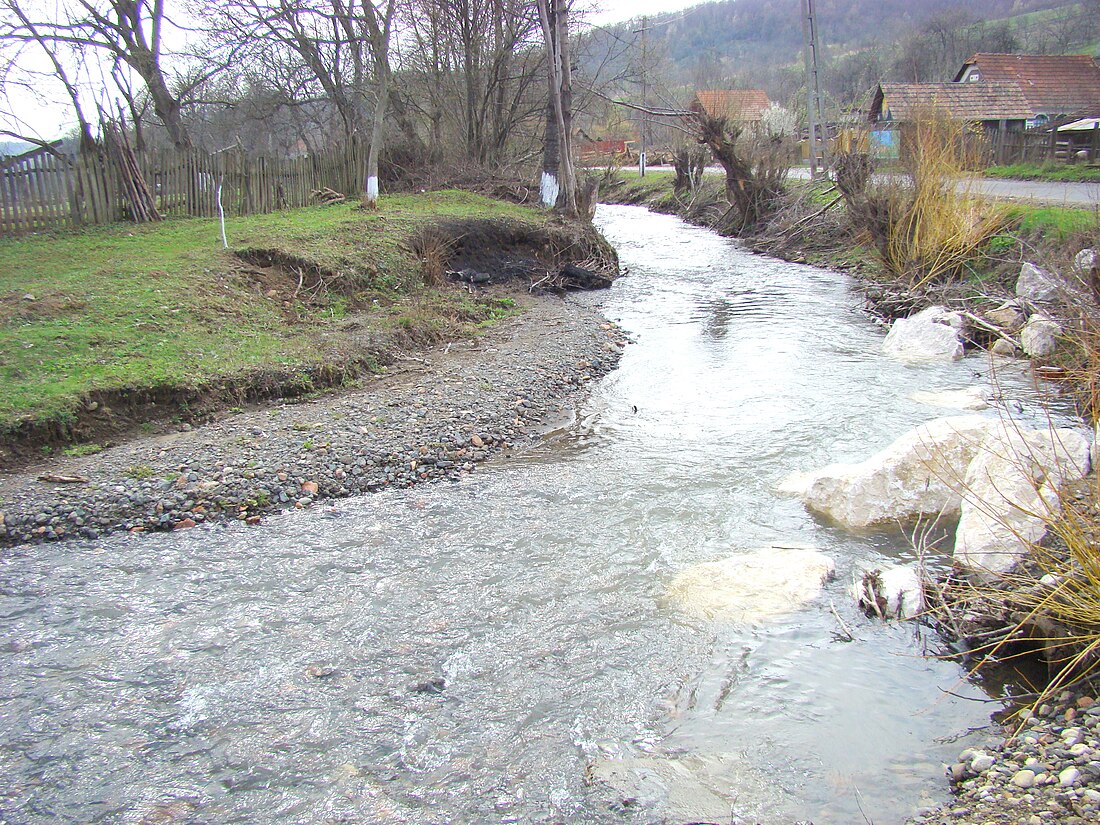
point(570, 277)
point(56, 478)
point(326, 196)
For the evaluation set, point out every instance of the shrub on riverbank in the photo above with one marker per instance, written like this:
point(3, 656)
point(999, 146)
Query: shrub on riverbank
point(103, 328)
point(926, 224)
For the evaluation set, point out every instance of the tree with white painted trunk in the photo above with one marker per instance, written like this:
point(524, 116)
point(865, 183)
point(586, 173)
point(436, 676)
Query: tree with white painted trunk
point(379, 23)
point(341, 50)
point(558, 188)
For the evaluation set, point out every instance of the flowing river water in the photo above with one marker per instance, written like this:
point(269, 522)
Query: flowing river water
point(499, 650)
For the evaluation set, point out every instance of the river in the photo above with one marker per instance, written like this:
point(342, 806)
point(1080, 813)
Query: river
point(499, 650)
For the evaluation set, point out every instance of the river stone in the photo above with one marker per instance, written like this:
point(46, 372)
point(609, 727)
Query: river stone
point(752, 586)
point(1024, 778)
point(1039, 337)
point(982, 762)
point(930, 335)
point(920, 473)
point(1008, 316)
point(1038, 285)
point(895, 592)
point(972, 398)
point(686, 787)
point(1002, 346)
point(1085, 261)
point(1011, 492)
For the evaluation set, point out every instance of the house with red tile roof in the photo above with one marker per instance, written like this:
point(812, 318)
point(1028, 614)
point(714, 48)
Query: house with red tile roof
point(994, 106)
point(735, 105)
point(1055, 86)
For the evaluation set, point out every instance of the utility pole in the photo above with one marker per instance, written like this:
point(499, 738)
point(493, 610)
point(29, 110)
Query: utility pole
point(645, 90)
point(815, 110)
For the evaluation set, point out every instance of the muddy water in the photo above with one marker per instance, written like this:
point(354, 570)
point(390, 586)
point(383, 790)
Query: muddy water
point(499, 650)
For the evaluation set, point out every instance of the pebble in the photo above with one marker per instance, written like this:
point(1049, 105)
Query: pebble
point(1024, 778)
point(1034, 776)
point(1068, 777)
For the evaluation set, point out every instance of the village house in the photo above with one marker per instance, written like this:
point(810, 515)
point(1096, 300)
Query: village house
point(992, 106)
point(735, 105)
point(1057, 87)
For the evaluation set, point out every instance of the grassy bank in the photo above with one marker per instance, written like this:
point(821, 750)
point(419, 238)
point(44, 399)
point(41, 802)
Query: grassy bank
point(162, 317)
point(1046, 171)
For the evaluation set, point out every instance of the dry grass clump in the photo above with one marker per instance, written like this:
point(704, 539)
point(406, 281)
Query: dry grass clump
point(434, 248)
point(926, 224)
point(1047, 606)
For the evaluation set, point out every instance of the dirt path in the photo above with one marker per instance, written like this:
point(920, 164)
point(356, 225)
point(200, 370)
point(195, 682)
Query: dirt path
point(431, 417)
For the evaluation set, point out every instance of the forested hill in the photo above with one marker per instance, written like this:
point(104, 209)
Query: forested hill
point(759, 42)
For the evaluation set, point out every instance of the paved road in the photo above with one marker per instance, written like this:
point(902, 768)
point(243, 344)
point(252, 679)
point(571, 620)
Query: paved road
point(1037, 191)
point(1046, 192)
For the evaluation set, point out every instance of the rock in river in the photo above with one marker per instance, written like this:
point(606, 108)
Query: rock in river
point(971, 398)
point(1011, 490)
point(919, 473)
point(930, 335)
point(752, 586)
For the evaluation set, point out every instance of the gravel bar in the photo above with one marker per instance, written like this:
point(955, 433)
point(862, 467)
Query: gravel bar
point(430, 417)
point(1046, 770)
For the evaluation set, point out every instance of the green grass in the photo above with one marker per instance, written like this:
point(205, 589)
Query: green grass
point(164, 305)
point(1054, 221)
point(1059, 172)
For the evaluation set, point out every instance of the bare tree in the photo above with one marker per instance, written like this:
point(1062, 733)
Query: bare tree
point(559, 186)
point(473, 66)
point(20, 28)
point(343, 46)
point(119, 34)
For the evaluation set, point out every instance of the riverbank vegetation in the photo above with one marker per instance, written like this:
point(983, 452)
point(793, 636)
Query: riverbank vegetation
point(112, 327)
point(1045, 171)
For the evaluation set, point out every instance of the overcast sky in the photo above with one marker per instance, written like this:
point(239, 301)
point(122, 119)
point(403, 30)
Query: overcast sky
point(48, 115)
point(612, 11)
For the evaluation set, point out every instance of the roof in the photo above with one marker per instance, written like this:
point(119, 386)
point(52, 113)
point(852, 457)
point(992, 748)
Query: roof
point(1054, 84)
point(962, 101)
point(1084, 125)
point(745, 105)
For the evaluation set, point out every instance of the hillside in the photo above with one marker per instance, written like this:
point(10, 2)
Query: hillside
point(759, 42)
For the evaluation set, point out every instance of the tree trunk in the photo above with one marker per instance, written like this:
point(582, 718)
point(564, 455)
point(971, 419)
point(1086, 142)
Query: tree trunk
point(370, 193)
point(558, 185)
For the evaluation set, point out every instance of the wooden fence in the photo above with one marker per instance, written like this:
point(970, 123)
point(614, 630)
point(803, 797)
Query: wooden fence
point(1006, 148)
point(41, 191)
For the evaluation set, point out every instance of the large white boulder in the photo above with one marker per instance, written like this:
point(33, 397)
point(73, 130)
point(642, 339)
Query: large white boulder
point(971, 398)
point(1039, 337)
point(920, 473)
point(1036, 284)
point(930, 335)
point(752, 586)
point(1012, 492)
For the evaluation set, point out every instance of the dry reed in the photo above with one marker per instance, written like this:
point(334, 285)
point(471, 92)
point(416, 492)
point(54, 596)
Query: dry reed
point(928, 223)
